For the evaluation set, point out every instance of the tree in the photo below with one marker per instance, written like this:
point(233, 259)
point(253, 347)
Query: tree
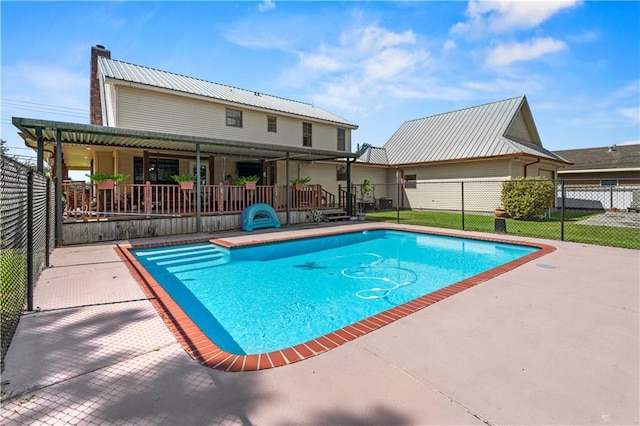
point(3, 147)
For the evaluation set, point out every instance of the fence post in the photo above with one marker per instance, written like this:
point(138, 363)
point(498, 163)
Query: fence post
point(611, 198)
point(47, 225)
point(30, 240)
point(562, 198)
point(462, 202)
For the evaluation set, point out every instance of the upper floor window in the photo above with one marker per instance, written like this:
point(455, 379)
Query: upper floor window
point(272, 124)
point(342, 139)
point(306, 134)
point(234, 117)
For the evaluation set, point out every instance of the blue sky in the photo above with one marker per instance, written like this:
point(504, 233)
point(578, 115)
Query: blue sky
point(377, 64)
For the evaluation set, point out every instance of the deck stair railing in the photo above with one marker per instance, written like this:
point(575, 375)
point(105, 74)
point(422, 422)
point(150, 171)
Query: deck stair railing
point(328, 199)
point(85, 201)
point(343, 196)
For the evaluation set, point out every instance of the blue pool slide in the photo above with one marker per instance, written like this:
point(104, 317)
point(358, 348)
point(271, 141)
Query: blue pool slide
point(258, 216)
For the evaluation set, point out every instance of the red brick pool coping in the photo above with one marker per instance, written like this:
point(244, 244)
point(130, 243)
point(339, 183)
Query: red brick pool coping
point(202, 349)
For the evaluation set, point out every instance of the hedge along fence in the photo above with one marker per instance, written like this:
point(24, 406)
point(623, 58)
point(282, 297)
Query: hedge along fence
point(26, 239)
point(527, 198)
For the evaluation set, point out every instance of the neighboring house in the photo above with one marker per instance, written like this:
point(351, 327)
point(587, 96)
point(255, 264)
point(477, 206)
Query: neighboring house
point(130, 96)
point(604, 166)
point(602, 178)
point(491, 142)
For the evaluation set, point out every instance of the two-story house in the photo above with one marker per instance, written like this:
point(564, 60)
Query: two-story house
point(129, 96)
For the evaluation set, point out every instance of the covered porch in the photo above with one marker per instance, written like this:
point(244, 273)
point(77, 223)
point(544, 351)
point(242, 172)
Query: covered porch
point(65, 145)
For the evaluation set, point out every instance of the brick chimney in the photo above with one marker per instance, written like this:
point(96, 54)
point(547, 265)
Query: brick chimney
point(95, 103)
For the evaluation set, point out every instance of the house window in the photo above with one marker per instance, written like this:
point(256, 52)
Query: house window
point(341, 174)
point(306, 134)
point(341, 139)
point(609, 182)
point(234, 117)
point(410, 181)
point(160, 170)
point(272, 124)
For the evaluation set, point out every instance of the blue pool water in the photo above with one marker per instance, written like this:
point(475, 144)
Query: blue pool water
point(267, 297)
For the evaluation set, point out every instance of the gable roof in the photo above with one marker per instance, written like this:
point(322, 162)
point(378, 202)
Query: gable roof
point(603, 158)
point(502, 128)
point(119, 71)
point(374, 155)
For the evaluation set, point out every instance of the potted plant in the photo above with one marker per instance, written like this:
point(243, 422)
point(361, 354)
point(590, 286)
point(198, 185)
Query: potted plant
point(299, 183)
point(249, 182)
point(500, 212)
point(366, 189)
point(185, 181)
point(103, 180)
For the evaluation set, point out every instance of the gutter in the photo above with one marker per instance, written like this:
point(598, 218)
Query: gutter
point(530, 164)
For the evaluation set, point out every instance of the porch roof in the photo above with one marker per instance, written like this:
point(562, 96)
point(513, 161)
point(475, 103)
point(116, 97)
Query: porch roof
point(84, 135)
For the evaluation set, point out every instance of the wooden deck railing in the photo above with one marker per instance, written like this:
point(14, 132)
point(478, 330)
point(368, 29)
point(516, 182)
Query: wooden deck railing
point(84, 201)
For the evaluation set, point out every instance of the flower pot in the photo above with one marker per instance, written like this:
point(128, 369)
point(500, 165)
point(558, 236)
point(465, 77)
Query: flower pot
point(250, 185)
point(106, 184)
point(298, 186)
point(187, 185)
point(361, 217)
point(500, 212)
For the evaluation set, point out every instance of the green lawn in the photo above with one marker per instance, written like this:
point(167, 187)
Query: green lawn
point(13, 289)
point(546, 228)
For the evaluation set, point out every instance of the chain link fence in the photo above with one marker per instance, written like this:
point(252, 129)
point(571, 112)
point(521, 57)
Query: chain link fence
point(26, 239)
point(579, 211)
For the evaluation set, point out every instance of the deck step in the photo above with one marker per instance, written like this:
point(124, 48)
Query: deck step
point(333, 215)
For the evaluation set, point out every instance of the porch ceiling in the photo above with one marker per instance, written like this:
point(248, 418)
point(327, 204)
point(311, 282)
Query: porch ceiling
point(85, 135)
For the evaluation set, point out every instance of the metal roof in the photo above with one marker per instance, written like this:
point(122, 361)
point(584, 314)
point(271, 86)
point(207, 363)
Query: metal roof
point(374, 155)
point(126, 72)
point(607, 158)
point(470, 133)
point(85, 134)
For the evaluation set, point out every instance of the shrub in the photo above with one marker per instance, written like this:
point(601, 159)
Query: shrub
point(527, 198)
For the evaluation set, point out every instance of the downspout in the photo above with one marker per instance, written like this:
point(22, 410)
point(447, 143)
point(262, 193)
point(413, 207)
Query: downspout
point(530, 164)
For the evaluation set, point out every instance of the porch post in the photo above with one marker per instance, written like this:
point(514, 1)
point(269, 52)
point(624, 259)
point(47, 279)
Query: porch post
point(145, 166)
point(288, 198)
point(58, 204)
point(40, 159)
point(198, 191)
point(349, 203)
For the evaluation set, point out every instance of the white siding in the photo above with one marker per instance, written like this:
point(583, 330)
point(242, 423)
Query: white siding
point(518, 129)
point(154, 111)
point(439, 188)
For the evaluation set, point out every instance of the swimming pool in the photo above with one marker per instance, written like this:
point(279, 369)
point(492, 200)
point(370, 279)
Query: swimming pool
point(271, 297)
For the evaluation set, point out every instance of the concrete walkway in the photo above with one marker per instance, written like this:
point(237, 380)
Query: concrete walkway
point(555, 341)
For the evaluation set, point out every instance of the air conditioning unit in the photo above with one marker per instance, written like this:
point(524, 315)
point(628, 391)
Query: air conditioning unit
point(385, 204)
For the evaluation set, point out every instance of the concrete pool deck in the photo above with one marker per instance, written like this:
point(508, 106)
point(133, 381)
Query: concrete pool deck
point(554, 341)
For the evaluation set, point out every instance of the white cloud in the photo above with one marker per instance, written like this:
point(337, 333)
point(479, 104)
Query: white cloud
point(266, 5)
point(46, 84)
point(448, 45)
point(630, 90)
point(320, 62)
point(364, 63)
point(374, 38)
point(630, 114)
point(506, 54)
point(499, 16)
